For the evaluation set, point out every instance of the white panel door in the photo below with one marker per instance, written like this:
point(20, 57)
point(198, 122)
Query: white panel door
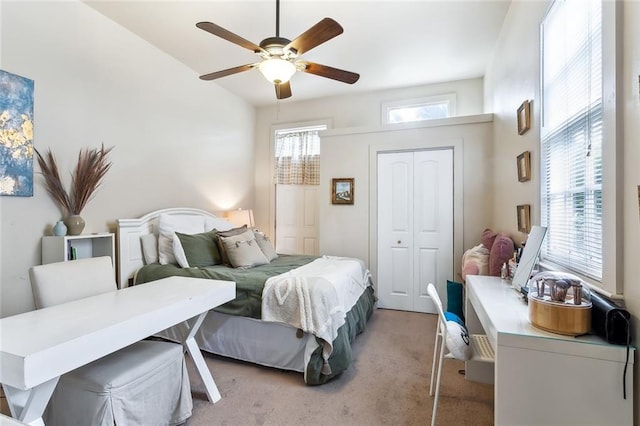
point(415, 227)
point(297, 219)
point(395, 230)
point(433, 223)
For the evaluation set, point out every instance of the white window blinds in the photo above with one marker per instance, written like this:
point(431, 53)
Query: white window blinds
point(571, 193)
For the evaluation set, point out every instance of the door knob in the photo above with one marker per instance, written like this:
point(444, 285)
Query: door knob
point(399, 242)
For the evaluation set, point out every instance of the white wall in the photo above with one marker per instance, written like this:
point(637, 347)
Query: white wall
point(178, 141)
point(361, 110)
point(351, 230)
point(513, 77)
point(631, 213)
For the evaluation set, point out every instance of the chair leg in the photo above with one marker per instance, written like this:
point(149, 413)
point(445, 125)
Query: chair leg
point(435, 357)
point(435, 400)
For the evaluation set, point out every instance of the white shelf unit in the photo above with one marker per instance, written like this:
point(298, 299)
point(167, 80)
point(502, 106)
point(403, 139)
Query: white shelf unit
point(60, 249)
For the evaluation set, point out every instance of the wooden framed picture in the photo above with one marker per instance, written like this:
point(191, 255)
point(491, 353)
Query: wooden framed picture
point(524, 166)
point(524, 218)
point(524, 117)
point(342, 190)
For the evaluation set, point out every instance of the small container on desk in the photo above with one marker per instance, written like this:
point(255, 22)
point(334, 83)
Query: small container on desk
point(559, 303)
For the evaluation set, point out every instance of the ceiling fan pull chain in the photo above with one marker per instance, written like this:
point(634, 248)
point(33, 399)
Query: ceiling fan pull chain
point(277, 18)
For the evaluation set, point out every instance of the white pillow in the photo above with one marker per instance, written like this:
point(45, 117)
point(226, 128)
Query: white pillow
point(178, 252)
point(217, 223)
point(458, 340)
point(243, 250)
point(149, 248)
point(167, 225)
point(265, 245)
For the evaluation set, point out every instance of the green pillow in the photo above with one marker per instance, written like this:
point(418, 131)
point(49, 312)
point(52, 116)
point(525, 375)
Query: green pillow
point(455, 301)
point(196, 250)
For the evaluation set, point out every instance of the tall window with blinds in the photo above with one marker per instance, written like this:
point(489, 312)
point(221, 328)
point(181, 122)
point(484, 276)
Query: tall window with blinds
point(572, 120)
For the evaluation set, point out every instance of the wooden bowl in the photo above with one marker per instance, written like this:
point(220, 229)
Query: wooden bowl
point(558, 317)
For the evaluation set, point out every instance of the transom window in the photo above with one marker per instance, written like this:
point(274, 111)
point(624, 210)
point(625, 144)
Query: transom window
point(410, 110)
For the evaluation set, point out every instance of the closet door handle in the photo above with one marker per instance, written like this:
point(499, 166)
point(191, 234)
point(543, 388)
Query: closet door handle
point(399, 242)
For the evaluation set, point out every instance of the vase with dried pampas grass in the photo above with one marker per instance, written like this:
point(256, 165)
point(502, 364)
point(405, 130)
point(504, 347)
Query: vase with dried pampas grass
point(93, 165)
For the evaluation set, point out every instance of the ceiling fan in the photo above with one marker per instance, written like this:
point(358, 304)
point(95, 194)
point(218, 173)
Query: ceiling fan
point(279, 56)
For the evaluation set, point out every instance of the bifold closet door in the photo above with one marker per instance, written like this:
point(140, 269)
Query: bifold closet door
point(415, 226)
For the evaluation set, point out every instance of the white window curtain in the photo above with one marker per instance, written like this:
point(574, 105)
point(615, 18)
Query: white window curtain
point(298, 158)
point(571, 193)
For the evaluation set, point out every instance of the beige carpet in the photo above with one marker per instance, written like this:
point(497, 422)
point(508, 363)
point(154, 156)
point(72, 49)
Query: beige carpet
point(387, 384)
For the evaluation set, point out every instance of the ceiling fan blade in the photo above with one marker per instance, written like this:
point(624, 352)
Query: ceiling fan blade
point(328, 72)
point(314, 36)
point(223, 73)
point(283, 90)
point(228, 35)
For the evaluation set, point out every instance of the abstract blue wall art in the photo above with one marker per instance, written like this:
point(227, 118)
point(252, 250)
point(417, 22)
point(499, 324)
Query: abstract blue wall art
point(16, 135)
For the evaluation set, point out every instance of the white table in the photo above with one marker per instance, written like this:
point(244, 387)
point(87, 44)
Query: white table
point(37, 347)
point(9, 421)
point(544, 378)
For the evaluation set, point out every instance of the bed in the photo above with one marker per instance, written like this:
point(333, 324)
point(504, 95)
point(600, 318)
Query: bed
point(298, 313)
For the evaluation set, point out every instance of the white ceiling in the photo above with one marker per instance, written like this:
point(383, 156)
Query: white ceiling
point(390, 44)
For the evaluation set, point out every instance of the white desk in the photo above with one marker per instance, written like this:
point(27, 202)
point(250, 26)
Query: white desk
point(544, 378)
point(37, 347)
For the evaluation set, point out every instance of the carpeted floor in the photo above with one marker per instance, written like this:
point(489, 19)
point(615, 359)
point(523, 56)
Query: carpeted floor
point(388, 384)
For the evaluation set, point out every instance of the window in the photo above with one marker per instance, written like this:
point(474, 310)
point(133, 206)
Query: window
point(297, 154)
point(571, 136)
point(410, 110)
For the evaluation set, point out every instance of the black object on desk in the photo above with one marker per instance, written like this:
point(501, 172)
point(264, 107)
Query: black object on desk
point(610, 321)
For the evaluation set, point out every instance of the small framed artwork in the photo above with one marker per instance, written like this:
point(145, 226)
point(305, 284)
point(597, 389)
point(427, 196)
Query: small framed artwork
point(524, 117)
point(524, 166)
point(342, 190)
point(524, 218)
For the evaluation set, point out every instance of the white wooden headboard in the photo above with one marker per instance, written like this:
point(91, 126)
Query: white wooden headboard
point(129, 231)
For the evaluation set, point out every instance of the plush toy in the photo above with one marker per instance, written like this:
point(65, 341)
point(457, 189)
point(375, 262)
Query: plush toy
point(487, 258)
point(501, 252)
point(475, 261)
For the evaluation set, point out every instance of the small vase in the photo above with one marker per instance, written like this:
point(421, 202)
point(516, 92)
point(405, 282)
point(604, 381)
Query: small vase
point(75, 224)
point(59, 229)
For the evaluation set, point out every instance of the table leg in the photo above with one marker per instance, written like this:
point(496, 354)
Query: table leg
point(194, 350)
point(28, 405)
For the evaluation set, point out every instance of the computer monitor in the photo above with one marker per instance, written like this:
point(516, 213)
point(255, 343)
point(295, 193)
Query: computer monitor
point(528, 258)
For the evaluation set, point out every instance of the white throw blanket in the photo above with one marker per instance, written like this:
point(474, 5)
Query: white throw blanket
point(316, 297)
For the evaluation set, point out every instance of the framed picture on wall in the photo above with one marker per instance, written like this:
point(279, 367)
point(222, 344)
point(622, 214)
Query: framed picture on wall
point(524, 117)
point(342, 190)
point(524, 218)
point(524, 166)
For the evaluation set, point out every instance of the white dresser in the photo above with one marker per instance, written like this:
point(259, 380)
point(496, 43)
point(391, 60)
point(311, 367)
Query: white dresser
point(544, 378)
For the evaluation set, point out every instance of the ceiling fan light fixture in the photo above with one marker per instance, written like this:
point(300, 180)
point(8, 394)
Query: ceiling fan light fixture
point(277, 70)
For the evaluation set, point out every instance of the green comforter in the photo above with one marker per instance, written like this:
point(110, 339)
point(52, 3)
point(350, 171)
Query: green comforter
point(249, 282)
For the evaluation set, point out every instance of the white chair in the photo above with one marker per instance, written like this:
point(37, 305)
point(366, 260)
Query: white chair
point(144, 383)
point(481, 349)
